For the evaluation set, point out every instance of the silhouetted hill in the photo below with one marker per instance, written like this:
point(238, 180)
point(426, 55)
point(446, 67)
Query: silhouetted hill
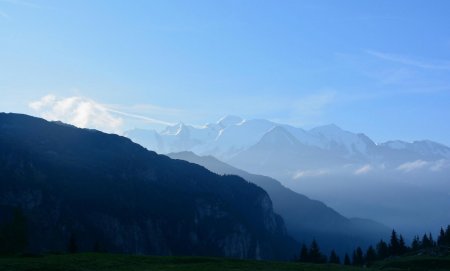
point(105, 192)
point(305, 218)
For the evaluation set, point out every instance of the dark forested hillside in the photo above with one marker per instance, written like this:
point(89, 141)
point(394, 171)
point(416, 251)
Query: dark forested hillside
point(86, 190)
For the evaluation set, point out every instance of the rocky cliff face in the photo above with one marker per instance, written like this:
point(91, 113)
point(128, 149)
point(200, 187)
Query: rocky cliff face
point(107, 193)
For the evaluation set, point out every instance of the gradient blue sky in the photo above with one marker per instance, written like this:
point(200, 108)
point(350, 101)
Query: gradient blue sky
point(378, 67)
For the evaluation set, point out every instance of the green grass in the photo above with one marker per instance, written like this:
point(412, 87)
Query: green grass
point(120, 262)
point(92, 261)
point(415, 263)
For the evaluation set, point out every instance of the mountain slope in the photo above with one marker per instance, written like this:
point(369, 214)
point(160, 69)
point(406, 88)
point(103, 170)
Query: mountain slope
point(105, 191)
point(279, 151)
point(305, 218)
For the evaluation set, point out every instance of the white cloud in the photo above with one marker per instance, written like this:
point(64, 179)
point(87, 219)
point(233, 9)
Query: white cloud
point(309, 173)
point(79, 111)
point(410, 166)
point(363, 170)
point(44, 101)
point(87, 113)
point(140, 117)
point(434, 166)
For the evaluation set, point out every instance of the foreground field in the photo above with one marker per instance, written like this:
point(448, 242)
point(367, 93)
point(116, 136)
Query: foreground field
point(415, 263)
point(92, 261)
point(108, 262)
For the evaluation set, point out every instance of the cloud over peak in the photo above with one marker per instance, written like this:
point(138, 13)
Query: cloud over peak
point(79, 111)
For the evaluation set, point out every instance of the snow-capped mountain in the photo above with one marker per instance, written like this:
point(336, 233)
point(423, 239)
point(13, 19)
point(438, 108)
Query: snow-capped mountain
point(225, 138)
point(235, 138)
point(397, 183)
point(231, 136)
point(425, 148)
point(333, 138)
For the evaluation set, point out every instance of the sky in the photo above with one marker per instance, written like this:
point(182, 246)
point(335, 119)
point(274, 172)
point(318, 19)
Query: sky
point(377, 67)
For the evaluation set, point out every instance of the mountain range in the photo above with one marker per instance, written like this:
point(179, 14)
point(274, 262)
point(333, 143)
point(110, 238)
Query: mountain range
point(401, 184)
point(231, 136)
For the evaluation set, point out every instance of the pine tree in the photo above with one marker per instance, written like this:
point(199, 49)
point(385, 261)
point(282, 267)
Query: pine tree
point(441, 237)
point(304, 255)
point(415, 245)
point(334, 258)
point(402, 248)
point(394, 245)
point(371, 256)
point(315, 255)
point(347, 260)
point(432, 243)
point(382, 250)
point(358, 257)
point(426, 242)
point(447, 236)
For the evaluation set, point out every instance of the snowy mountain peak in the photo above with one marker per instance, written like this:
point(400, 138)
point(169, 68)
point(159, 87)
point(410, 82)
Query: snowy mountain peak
point(229, 120)
point(425, 147)
point(337, 139)
point(278, 135)
point(367, 140)
point(395, 144)
point(232, 135)
point(174, 129)
point(428, 150)
point(326, 129)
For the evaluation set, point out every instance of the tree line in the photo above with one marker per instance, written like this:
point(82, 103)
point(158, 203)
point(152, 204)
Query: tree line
point(14, 239)
point(382, 250)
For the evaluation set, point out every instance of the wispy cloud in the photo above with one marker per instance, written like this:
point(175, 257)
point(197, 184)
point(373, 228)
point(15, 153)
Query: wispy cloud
point(140, 117)
point(434, 166)
point(411, 166)
point(144, 109)
point(309, 173)
point(86, 113)
point(419, 63)
point(363, 170)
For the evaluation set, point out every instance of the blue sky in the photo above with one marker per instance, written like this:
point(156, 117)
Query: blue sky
point(378, 67)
